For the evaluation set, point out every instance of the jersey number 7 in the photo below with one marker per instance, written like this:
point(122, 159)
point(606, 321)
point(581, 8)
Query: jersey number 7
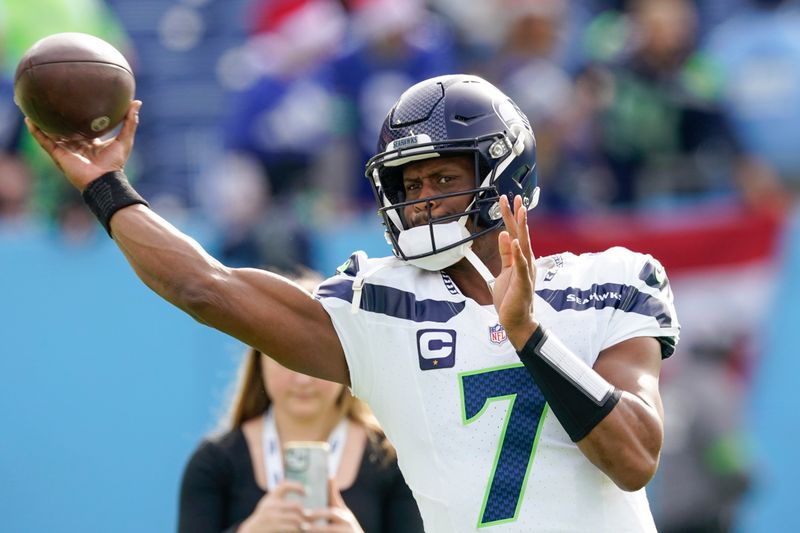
point(519, 437)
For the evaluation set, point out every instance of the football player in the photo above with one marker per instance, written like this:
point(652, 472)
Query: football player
point(521, 393)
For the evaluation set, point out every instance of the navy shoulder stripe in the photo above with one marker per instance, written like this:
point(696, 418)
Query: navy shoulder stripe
point(391, 302)
point(352, 265)
point(653, 274)
point(623, 297)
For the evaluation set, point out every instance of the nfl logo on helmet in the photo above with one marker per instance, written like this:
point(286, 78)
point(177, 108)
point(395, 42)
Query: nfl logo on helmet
point(497, 334)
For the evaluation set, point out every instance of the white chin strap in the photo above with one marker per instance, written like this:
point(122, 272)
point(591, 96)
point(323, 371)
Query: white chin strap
point(417, 241)
point(482, 269)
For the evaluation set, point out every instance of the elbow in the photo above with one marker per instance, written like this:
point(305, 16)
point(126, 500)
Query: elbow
point(637, 451)
point(635, 475)
point(638, 463)
point(631, 465)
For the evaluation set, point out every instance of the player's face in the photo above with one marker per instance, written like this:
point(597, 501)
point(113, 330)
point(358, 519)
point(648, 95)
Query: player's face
point(298, 395)
point(431, 177)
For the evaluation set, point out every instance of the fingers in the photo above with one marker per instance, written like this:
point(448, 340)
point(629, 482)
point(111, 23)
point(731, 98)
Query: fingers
point(334, 496)
point(508, 217)
point(512, 254)
point(504, 247)
point(279, 514)
point(521, 265)
point(287, 523)
point(41, 137)
point(286, 486)
point(128, 131)
point(516, 224)
point(523, 234)
point(333, 520)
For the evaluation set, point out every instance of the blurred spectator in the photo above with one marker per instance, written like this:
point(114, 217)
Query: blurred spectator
point(712, 13)
point(474, 39)
point(705, 463)
point(660, 130)
point(10, 115)
point(16, 181)
point(391, 45)
point(15, 189)
point(285, 117)
point(235, 481)
point(277, 134)
point(551, 30)
point(27, 21)
point(758, 52)
point(530, 55)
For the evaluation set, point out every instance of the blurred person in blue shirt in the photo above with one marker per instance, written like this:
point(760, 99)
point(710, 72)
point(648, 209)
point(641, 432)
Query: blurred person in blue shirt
point(758, 53)
point(285, 114)
point(16, 178)
point(391, 45)
point(279, 132)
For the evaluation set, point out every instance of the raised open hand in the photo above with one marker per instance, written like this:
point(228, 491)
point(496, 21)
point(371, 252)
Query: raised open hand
point(84, 161)
point(513, 288)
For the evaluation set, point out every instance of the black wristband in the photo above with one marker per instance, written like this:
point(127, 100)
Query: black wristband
point(576, 410)
point(108, 194)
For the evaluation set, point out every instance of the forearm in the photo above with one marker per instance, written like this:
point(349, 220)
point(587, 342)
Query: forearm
point(169, 262)
point(259, 308)
point(611, 411)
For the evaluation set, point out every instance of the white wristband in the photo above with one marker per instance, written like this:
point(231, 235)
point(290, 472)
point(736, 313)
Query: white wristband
point(569, 365)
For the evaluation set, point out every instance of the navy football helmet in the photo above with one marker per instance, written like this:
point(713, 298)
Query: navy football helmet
point(450, 115)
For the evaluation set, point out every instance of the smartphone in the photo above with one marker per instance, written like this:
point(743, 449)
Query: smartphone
point(306, 462)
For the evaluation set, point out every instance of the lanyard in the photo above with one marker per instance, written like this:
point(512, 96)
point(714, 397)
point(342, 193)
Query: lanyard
point(273, 456)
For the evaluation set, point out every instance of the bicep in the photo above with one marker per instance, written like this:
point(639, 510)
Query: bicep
point(633, 365)
point(279, 318)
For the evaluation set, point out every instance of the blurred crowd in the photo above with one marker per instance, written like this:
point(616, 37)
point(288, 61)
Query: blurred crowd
point(638, 106)
point(642, 105)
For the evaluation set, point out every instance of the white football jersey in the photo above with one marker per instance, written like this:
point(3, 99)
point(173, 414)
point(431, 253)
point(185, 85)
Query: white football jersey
point(475, 439)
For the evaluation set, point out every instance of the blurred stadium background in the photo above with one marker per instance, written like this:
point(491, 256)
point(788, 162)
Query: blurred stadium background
point(668, 126)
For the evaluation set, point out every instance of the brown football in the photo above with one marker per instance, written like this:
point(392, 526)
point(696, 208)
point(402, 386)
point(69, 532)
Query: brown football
point(74, 85)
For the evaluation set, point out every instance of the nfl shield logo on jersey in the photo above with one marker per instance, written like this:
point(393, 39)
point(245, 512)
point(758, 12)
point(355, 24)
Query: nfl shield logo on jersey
point(497, 334)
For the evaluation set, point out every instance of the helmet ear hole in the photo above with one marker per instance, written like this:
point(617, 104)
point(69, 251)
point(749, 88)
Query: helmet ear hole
point(520, 174)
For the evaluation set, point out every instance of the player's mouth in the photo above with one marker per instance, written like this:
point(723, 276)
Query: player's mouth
point(422, 218)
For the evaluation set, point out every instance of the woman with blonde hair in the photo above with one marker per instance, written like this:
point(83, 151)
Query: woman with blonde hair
point(234, 482)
